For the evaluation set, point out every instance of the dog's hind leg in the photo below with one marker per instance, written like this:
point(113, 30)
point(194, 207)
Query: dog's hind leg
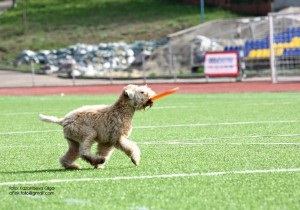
point(68, 159)
point(104, 151)
point(85, 150)
point(130, 149)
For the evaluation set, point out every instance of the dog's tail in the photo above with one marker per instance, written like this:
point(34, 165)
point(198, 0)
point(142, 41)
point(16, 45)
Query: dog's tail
point(51, 119)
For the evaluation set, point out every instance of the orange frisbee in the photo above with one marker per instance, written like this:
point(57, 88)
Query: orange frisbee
point(161, 95)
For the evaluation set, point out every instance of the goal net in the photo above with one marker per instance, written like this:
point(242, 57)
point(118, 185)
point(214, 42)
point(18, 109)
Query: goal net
point(284, 39)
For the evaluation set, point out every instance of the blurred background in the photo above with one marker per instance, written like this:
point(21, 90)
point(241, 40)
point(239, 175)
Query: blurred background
point(73, 42)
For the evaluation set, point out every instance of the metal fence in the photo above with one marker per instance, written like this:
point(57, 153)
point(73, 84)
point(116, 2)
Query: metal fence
point(268, 47)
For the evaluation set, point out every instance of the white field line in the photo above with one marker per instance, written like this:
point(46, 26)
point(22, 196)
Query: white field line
point(17, 113)
point(59, 112)
point(155, 107)
point(52, 111)
point(160, 176)
point(232, 143)
point(174, 107)
point(28, 113)
point(234, 137)
point(33, 146)
point(76, 201)
point(195, 141)
point(171, 126)
point(28, 132)
point(220, 124)
point(170, 143)
point(245, 104)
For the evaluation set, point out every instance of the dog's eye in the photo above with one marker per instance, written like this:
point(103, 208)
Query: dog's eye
point(142, 92)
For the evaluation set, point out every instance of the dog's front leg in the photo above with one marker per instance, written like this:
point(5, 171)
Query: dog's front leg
point(130, 148)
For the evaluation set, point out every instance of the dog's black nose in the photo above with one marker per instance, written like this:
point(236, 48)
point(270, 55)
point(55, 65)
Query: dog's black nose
point(149, 103)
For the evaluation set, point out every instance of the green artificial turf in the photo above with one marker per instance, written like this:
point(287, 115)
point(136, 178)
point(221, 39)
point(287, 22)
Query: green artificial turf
point(199, 151)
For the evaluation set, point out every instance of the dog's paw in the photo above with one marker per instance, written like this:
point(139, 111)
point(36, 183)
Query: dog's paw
point(73, 167)
point(136, 160)
point(94, 161)
point(100, 166)
point(136, 157)
point(99, 161)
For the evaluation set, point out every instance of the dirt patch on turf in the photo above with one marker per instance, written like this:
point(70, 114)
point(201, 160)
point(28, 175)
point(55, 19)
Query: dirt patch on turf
point(232, 87)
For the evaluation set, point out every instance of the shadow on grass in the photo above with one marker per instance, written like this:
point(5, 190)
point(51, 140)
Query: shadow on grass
point(42, 171)
point(63, 170)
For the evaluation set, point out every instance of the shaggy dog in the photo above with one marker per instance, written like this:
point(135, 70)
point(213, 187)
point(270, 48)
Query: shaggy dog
point(109, 126)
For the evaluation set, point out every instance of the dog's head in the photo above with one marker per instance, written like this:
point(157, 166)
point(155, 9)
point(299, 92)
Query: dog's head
point(139, 96)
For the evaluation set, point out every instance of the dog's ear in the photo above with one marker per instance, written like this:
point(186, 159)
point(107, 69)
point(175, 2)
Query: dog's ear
point(129, 93)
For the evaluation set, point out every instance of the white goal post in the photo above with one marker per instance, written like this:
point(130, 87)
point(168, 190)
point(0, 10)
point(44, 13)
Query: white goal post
point(284, 39)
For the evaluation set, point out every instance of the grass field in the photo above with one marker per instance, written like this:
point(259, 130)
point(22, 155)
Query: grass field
point(214, 151)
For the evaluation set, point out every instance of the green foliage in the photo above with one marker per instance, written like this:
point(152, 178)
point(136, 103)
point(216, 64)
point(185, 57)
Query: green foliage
point(54, 24)
point(181, 134)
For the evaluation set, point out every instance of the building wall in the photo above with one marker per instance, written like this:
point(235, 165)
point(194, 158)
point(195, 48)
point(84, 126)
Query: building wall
point(254, 8)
